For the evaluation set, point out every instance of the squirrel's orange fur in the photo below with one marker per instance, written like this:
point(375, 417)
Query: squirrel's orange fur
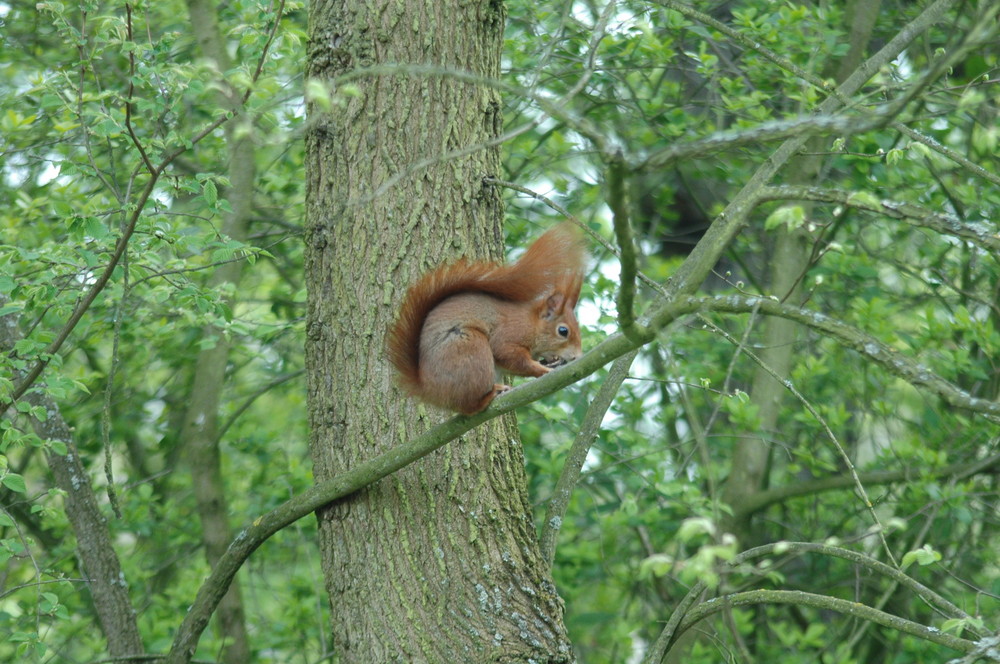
point(460, 322)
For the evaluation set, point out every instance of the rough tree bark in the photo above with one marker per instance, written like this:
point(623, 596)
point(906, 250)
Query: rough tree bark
point(438, 562)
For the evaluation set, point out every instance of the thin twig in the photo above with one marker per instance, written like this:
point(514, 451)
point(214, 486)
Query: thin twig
point(253, 397)
point(131, 91)
point(670, 631)
point(612, 249)
point(109, 390)
point(825, 603)
point(577, 455)
point(911, 213)
point(788, 385)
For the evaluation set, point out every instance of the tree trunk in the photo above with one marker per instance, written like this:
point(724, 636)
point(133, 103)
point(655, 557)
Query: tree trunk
point(199, 433)
point(438, 562)
point(97, 559)
point(751, 455)
point(789, 260)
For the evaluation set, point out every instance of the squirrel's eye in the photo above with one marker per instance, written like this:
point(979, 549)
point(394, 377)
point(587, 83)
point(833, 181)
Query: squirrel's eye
point(563, 331)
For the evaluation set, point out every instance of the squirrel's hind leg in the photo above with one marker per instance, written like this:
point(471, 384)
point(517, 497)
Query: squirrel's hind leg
point(457, 372)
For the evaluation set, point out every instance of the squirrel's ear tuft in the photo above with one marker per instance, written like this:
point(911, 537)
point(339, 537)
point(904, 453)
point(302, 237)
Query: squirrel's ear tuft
point(573, 290)
point(554, 305)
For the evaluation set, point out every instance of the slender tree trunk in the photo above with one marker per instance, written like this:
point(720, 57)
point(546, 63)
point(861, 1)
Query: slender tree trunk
point(789, 260)
point(439, 562)
point(97, 559)
point(199, 433)
point(202, 451)
point(751, 455)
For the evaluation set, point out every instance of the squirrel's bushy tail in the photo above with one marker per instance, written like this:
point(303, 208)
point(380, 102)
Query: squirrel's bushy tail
point(553, 263)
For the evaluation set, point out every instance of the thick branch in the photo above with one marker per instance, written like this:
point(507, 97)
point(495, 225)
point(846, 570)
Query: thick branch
point(618, 202)
point(251, 537)
point(610, 349)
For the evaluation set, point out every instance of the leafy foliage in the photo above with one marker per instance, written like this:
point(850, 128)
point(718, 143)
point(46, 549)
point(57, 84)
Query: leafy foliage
point(83, 87)
point(72, 175)
point(665, 451)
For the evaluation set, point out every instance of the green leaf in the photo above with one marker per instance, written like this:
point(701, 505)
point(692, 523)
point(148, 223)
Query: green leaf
point(209, 192)
point(926, 555)
point(694, 527)
point(863, 199)
point(14, 482)
point(317, 93)
point(656, 565)
point(790, 216)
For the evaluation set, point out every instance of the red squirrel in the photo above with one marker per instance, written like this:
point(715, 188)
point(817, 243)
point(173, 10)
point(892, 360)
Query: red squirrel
point(460, 322)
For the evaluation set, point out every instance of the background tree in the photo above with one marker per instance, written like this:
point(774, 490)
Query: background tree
point(808, 428)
